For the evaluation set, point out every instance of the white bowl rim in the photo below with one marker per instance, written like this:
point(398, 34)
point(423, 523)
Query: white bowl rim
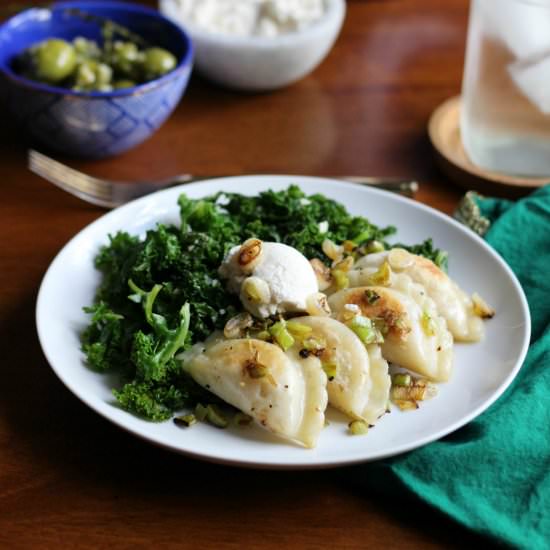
point(335, 13)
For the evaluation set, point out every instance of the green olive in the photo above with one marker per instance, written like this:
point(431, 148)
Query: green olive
point(86, 49)
point(120, 84)
point(54, 60)
point(93, 75)
point(104, 73)
point(156, 62)
point(124, 58)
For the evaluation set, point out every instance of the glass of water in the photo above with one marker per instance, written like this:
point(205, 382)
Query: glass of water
point(505, 115)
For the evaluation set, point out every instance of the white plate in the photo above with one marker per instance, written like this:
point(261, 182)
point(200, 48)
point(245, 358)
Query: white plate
point(482, 371)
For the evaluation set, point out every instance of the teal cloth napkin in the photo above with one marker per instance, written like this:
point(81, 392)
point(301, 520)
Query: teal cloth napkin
point(493, 475)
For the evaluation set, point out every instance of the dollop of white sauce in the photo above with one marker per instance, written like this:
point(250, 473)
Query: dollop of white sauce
point(250, 17)
point(286, 272)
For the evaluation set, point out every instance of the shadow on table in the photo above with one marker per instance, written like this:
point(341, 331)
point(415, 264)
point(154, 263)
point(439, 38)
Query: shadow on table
point(58, 445)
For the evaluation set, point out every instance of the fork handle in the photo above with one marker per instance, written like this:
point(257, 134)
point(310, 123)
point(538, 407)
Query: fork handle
point(402, 186)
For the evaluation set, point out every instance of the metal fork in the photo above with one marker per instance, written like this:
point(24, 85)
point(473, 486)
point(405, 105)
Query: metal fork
point(111, 194)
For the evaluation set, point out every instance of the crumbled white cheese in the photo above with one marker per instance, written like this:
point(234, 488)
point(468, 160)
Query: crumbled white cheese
point(323, 227)
point(222, 200)
point(286, 272)
point(250, 17)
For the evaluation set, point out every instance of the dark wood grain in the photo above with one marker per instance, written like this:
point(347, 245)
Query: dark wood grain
point(68, 478)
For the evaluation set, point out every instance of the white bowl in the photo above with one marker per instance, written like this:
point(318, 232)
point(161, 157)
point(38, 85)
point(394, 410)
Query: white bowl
point(258, 63)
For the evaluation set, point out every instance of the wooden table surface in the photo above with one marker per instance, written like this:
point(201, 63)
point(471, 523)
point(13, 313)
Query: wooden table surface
point(70, 478)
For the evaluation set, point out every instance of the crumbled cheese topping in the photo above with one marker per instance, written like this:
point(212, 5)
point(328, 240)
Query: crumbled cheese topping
point(284, 275)
point(250, 17)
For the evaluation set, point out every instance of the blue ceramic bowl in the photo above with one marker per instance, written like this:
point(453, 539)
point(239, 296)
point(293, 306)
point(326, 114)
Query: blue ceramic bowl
point(91, 124)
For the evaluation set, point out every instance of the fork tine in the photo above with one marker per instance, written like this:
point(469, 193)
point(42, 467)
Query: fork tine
point(70, 179)
point(67, 176)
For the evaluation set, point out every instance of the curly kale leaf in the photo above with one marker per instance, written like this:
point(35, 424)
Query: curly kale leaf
point(106, 339)
point(116, 262)
point(150, 400)
point(292, 217)
point(153, 353)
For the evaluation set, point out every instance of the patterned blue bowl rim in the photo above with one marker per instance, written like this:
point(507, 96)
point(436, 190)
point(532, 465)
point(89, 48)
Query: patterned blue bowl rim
point(184, 64)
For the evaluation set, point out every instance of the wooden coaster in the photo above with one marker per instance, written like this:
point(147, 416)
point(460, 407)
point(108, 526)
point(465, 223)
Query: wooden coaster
point(444, 132)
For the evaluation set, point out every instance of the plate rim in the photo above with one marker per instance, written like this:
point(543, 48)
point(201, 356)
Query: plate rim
point(285, 465)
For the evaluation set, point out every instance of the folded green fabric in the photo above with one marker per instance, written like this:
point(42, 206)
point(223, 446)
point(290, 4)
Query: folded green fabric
point(493, 475)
